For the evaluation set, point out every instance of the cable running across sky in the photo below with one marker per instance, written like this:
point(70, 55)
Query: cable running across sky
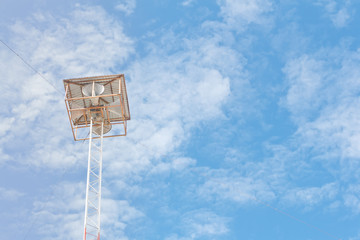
point(32, 68)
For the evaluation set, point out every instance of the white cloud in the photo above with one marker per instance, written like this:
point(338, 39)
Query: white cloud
point(126, 6)
point(88, 42)
point(65, 208)
point(187, 2)
point(3, 156)
point(10, 194)
point(239, 189)
point(323, 99)
point(205, 223)
point(352, 198)
point(341, 18)
point(201, 223)
point(5, 125)
point(336, 133)
point(170, 93)
point(305, 79)
point(176, 164)
point(243, 12)
point(339, 13)
point(175, 92)
point(116, 215)
point(311, 196)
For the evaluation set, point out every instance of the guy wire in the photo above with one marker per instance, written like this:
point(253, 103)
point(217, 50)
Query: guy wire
point(32, 68)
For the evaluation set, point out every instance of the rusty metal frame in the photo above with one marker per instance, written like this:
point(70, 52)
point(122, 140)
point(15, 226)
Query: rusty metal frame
point(105, 110)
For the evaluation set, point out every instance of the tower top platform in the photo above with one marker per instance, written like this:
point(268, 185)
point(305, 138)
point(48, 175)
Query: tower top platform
point(102, 98)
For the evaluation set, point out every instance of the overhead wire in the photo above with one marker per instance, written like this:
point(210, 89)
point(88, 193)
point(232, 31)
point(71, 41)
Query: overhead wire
point(32, 68)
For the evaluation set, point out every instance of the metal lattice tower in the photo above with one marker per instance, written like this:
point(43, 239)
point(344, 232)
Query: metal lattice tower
point(95, 105)
point(93, 186)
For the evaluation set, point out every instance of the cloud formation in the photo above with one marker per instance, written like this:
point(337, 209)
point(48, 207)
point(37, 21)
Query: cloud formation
point(322, 97)
point(219, 117)
point(339, 12)
point(86, 43)
point(169, 95)
point(126, 6)
point(238, 14)
point(10, 194)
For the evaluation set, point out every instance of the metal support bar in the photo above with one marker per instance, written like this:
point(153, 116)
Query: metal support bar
point(93, 186)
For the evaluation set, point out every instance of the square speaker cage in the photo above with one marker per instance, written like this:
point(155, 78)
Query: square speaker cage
point(103, 98)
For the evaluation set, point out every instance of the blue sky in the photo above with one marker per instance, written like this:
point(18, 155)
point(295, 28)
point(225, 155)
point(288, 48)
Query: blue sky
point(245, 119)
